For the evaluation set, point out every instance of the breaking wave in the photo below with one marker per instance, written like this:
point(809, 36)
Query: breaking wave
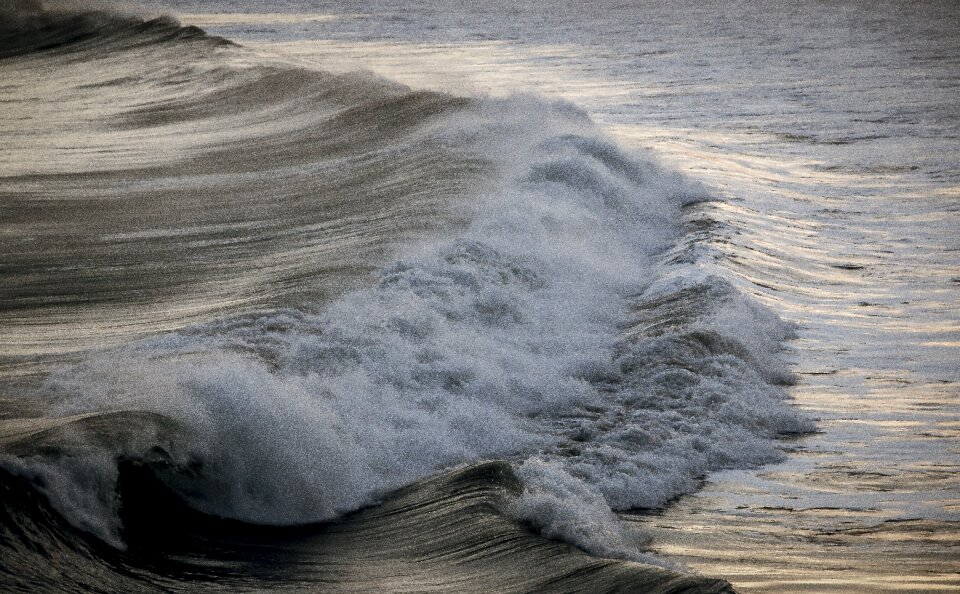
point(323, 288)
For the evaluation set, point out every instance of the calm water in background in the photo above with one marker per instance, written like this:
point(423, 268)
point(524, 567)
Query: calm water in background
point(832, 132)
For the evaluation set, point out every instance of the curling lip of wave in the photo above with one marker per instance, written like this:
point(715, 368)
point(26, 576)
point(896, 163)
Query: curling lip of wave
point(447, 531)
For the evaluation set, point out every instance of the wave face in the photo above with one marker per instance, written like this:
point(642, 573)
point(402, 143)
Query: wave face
point(279, 295)
point(442, 534)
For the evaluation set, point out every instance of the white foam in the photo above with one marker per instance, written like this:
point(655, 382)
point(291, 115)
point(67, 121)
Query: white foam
point(566, 508)
point(504, 341)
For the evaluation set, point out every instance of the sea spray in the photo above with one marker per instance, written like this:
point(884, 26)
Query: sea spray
point(509, 338)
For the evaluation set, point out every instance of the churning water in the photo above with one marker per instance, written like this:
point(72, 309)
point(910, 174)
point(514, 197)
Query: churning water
point(629, 252)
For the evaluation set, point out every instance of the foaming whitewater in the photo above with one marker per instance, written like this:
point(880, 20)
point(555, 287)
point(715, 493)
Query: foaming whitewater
point(507, 284)
point(514, 339)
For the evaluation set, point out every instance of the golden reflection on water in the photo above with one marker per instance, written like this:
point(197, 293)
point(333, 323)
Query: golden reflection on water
point(810, 554)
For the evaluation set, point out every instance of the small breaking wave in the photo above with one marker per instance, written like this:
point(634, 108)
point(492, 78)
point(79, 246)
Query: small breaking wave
point(30, 26)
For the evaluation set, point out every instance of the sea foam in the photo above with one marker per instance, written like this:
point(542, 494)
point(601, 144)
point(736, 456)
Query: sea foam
point(514, 337)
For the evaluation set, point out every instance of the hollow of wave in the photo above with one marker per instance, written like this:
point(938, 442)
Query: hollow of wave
point(444, 534)
point(267, 326)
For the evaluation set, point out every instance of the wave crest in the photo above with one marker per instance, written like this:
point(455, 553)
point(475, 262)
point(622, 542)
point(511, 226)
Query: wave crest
point(406, 282)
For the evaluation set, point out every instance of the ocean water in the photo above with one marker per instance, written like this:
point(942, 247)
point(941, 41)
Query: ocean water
point(409, 296)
